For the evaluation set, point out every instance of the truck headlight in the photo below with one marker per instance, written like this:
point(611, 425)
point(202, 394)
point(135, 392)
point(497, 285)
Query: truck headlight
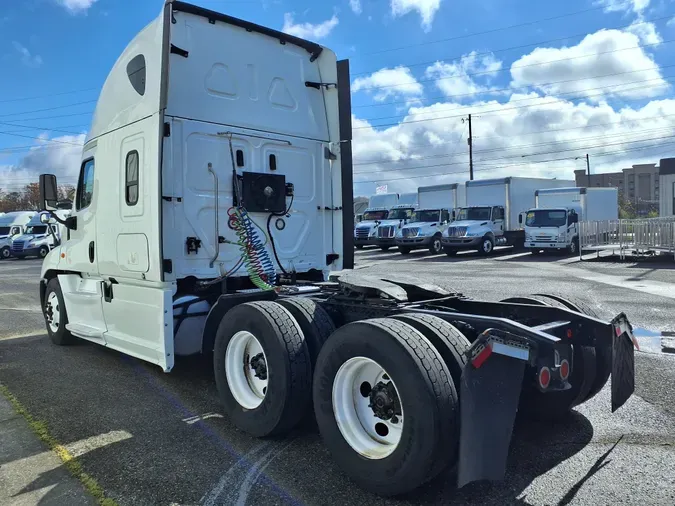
point(561, 237)
point(528, 237)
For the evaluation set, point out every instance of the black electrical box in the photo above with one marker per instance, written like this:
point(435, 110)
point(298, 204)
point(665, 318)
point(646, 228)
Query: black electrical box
point(264, 193)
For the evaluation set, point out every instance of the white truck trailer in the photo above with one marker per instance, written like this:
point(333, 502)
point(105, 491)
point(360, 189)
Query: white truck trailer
point(493, 215)
point(378, 209)
point(437, 206)
point(12, 224)
point(41, 235)
point(214, 200)
point(553, 224)
point(398, 216)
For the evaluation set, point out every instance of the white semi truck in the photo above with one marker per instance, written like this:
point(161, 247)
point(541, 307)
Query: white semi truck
point(214, 200)
point(41, 235)
point(378, 209)
point(553, 224)
point(493, 215)
point(12, 224)
point(399, 215)
point(437, 206)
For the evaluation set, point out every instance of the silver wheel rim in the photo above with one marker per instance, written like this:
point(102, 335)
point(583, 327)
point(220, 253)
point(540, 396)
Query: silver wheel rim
point(487, 246)
point(437, 246)
point(573, 247)
point(53, 312)
point(368, 435)
point(246, 369)
point(5, 253)
point(43, 252)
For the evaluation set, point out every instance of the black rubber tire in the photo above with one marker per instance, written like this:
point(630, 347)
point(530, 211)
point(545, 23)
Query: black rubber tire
point(314, 321)
point(535, 252)
point(385, 248)
point(445, 337)
point(359, 246)
point(43, 251)
point(555, 406)
point(603, 356)
point(436, 247)
point(482, 251)
point(403, 250)
point(573, 248)
point(428, 441)
point(62, 337)
point(450, 252)
point(5, 253)
point(288, 364)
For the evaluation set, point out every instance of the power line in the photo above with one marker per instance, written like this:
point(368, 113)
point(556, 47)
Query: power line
point(48, 109)
point(492, 30)
point(492, 72)
point(40, 128)
point(40, 139)
point(46, 96)
point(522, 46)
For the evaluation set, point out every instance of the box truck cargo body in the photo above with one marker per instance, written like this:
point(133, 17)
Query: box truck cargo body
point(436, 210)
point(553, 223)
point(493, 213)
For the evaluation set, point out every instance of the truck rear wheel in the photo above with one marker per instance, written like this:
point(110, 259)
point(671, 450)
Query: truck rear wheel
point(385, 405)
point(554, 406)
point(314, 321)
point(262, 368)
point(56, 318)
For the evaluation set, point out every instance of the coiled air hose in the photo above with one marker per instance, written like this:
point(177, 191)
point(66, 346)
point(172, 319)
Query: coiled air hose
point(259, 266)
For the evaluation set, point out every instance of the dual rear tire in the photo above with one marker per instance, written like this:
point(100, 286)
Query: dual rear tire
point(384, 391)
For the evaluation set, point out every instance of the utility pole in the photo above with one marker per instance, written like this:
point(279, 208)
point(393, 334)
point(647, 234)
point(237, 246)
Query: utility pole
point(588, 169)
point(470, 140)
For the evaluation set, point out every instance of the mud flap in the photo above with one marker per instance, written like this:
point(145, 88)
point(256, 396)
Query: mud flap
point(623, 362)
point(488, 404)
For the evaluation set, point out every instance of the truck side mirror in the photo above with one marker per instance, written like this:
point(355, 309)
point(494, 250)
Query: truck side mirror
point(574, 218)
point(44, 218)
point(520, 219)
point(48, 192)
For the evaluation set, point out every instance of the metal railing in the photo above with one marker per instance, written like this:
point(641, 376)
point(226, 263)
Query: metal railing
point(641, 236)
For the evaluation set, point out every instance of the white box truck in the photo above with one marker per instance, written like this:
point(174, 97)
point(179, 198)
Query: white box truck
point(378, 209)
point(553, 224)
point(215, 198)
point(398, 216)
point(12, 224)
point(437, 206)
point(667, 187)
point(493, 215)
point(41, 235)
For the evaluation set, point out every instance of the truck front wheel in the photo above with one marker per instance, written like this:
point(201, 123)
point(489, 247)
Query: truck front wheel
point(435, 247)
point(487, 246)
point(56, 318)
point(386, 405)
point(262, 368)
point(5, 253)
point(43, 251)
point(403, 250)
point(574, 247)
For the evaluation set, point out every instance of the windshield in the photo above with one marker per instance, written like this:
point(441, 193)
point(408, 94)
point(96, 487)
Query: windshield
point(375, 215)
point(400, 214)
point(546, 218)
point(37, 230)
point(427, 215)
point(4, 230)
point(474, 213)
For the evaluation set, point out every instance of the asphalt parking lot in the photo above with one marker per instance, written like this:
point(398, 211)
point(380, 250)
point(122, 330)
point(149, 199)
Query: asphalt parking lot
point(150, 438)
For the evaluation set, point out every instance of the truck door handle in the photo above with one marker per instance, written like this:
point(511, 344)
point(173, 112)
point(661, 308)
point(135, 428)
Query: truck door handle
point(91, 252)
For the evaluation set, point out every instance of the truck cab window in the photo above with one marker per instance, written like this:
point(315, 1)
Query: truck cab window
point(131, 182)
point(445, 216)
point(497, 213)
point(85, 190)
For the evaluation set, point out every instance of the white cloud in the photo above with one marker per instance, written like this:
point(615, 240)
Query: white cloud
point(671, 22)
point(645, 31)
point(386, 83)
point(57, 155)
point(308, 30)
point(453, 78)
point(426, 8)
point(28, 59)
point(508, 140)
point(597, 61)
point(76, 6)
point(355, 6)
point(624, 5)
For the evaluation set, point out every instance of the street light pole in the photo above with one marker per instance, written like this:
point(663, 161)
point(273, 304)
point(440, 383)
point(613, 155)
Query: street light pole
point(588, 170)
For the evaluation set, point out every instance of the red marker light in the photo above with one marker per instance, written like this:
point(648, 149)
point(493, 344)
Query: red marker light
point(482, 356)
point(564, 370)
point(544, 377)
point(569, 333)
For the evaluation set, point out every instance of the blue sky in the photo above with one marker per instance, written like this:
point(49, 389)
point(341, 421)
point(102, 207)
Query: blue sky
point(545, 81)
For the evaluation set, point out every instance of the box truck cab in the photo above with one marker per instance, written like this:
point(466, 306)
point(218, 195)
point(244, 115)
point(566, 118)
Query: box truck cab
point(378, 210)
point(40, 236)
point(553, 223)
point(398, 216)
point(12, 225)
point(437, 209)
point(493, 215)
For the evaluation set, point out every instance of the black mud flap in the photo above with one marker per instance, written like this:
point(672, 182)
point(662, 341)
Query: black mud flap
point(488, 404)
point(623, 362)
